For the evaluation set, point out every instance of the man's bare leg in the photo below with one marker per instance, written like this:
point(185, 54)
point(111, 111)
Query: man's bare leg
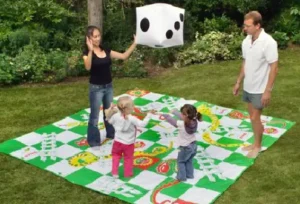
point(258, 132)
point(250, 111)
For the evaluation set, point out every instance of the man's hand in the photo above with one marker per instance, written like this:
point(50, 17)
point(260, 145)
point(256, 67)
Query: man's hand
point(265, 99)
point(236, 89)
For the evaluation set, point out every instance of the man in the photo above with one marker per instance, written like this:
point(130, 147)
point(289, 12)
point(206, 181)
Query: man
point(259, 70)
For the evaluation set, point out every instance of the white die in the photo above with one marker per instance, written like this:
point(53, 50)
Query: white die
point(159, 25)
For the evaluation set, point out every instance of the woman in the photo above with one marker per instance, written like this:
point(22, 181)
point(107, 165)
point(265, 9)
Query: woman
point(98, 61)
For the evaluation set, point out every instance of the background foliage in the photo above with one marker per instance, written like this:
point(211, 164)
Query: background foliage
point(42, 40)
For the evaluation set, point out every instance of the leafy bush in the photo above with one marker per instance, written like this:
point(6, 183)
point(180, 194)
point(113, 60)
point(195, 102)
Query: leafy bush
point(76, 39)
point(288, 22)
point(211, 47)
point(244, 6)
point(63, 64)
point(296, 39)
point(44, 36)
point(162, 57)
point(7, 70)
point(24, 36)
point(57, 61)
point(133, 67)
point(222, 24)
point(31, 64)
point(75, 64)
point(47, 22)
point(119, 29)
point(282, 39)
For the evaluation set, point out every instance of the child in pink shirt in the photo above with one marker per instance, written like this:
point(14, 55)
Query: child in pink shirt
point(125, 134)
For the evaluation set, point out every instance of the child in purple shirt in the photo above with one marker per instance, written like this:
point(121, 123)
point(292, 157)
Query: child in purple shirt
point(187, 126)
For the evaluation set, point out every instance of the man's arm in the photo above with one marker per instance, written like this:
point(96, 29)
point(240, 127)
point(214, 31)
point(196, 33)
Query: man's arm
point(266, 97)
point(272, 76)
point(239, 79)
point(271, 55)
point(242, 73)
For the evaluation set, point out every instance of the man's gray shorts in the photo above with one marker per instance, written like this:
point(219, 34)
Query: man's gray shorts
point(254, 99)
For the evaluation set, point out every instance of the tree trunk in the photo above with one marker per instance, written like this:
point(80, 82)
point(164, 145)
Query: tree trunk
point(95, 13)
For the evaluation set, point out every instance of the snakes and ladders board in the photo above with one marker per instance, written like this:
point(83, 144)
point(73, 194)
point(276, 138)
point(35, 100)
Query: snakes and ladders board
point(218, 164)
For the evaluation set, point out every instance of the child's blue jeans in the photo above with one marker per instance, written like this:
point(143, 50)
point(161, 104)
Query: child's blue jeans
point(185, 161)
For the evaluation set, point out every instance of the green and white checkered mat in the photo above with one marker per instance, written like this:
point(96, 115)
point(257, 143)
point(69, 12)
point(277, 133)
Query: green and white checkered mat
point(218, 163)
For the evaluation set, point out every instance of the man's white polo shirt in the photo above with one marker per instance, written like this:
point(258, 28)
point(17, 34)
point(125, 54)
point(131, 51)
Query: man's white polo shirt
point(258, 57)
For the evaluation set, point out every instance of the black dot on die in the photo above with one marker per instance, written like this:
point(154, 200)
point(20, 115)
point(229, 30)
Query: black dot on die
point(181, 17)
point(169, 34)
point(177, 25)
point(145, 24)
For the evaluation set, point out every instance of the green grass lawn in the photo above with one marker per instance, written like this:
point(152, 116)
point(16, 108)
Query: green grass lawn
point(274, 178)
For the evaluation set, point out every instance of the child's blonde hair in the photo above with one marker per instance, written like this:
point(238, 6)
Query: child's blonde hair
point(123, 103)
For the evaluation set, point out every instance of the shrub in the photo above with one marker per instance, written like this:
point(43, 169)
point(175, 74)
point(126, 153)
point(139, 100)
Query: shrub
point(222, 24)
point(162, 57)
point(75, 64)
point(133, 67)
point(282, 39)
point(31, 64)
point(57, 61)
point(7, 70)
point(296, 39)
point(211, 47)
